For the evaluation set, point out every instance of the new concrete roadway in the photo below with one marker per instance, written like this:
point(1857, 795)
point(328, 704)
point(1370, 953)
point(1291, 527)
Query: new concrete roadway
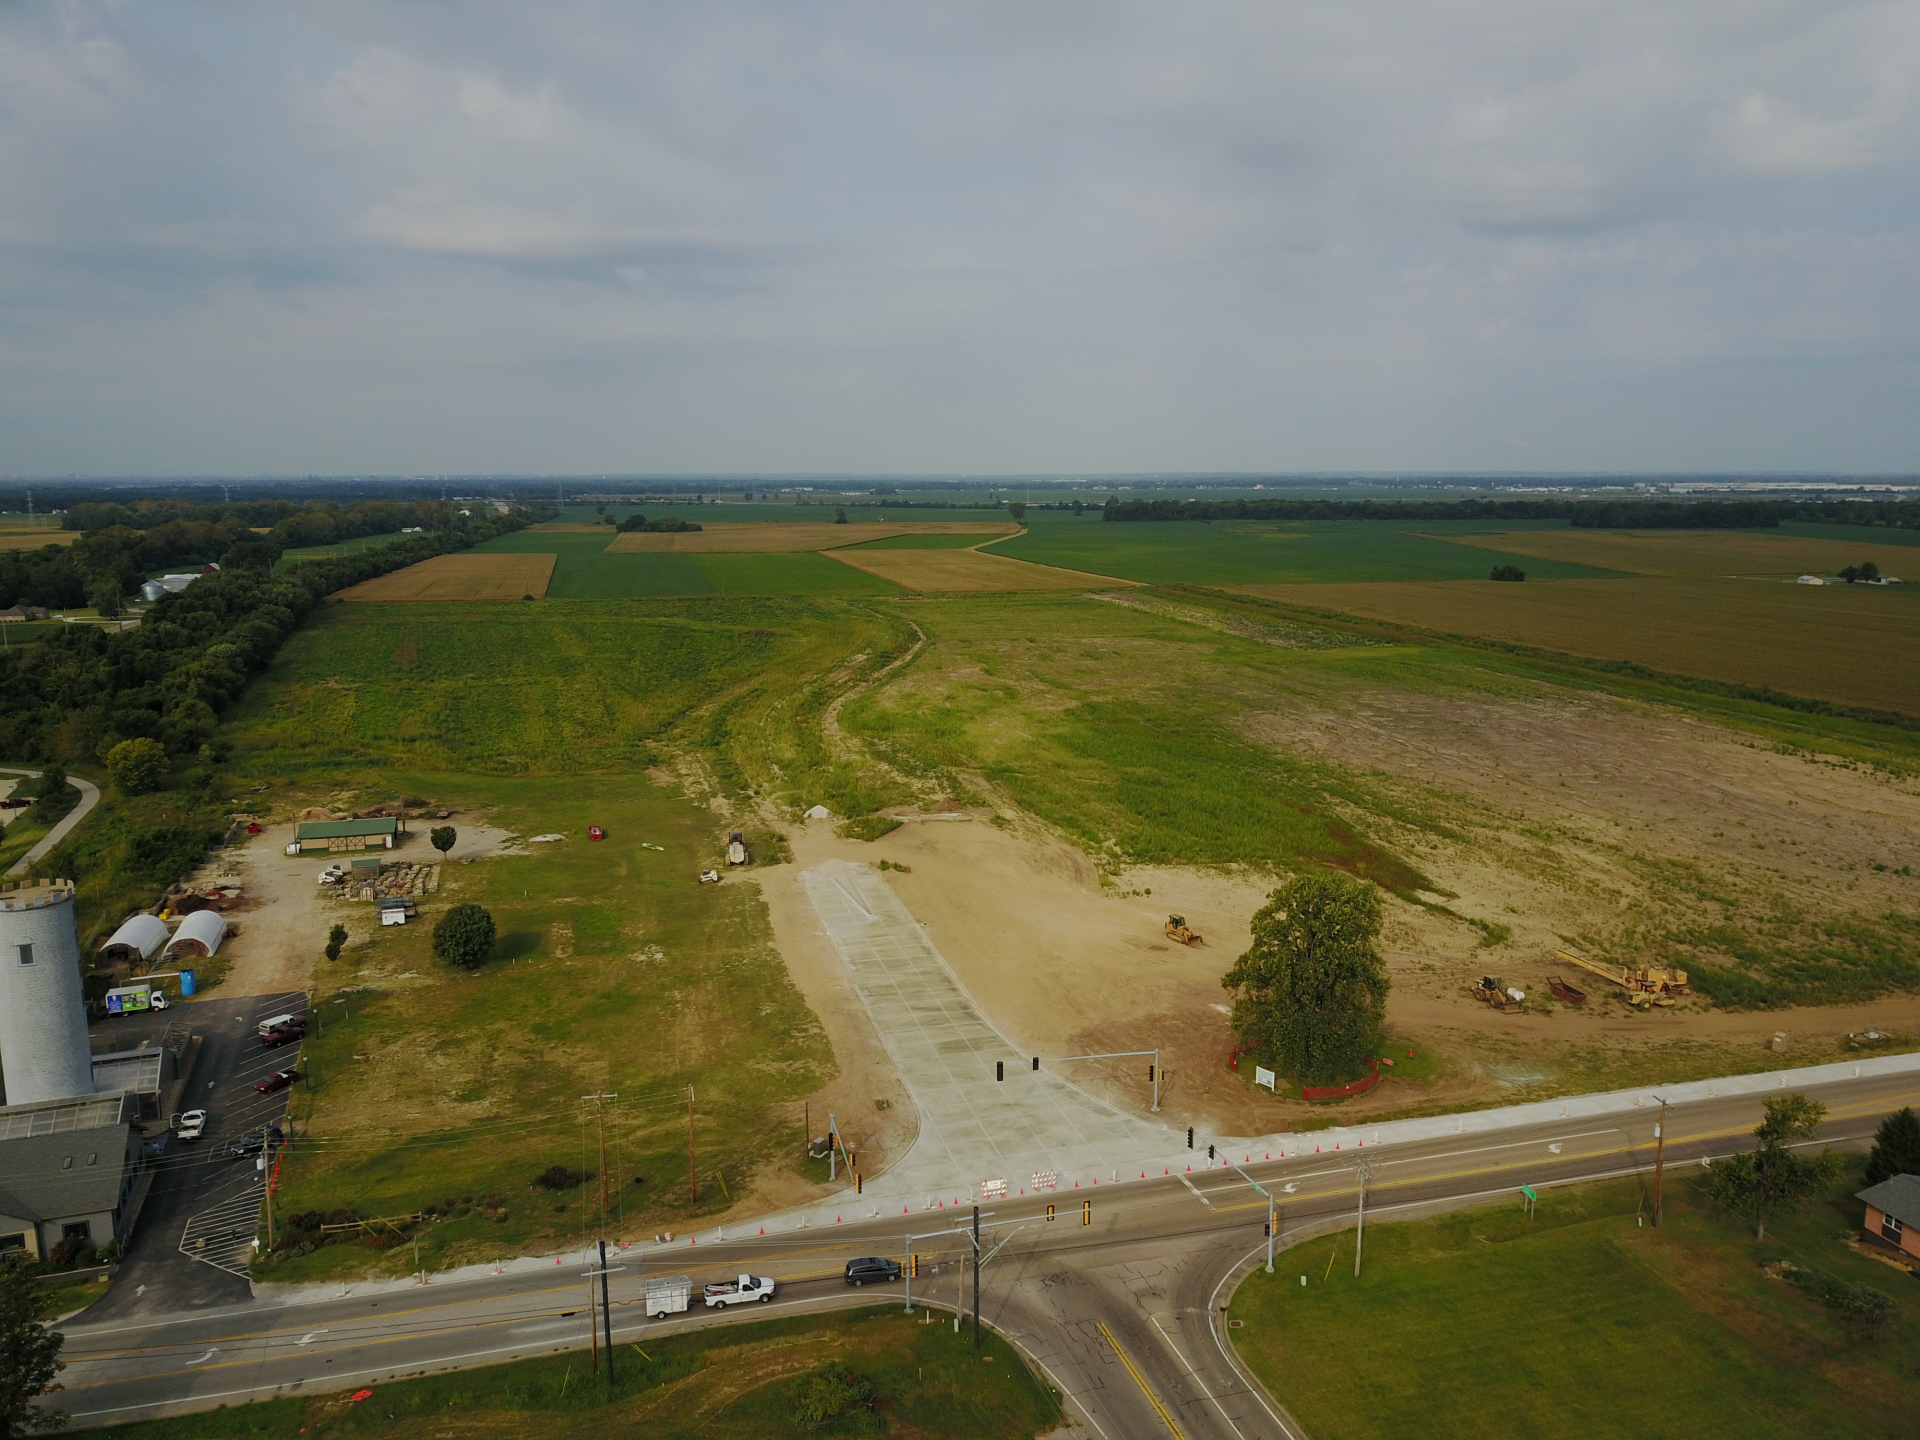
point(1125, 1316)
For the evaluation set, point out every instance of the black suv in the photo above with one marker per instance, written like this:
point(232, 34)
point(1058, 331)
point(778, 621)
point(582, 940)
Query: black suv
point(871, 1270)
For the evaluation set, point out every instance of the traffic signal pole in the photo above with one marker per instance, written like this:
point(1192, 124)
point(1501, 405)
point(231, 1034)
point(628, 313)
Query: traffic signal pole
point(976, 1277)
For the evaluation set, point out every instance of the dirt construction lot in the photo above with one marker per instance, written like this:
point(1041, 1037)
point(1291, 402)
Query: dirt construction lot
point(782, 537)
point(461, 577)
point(1579, 820)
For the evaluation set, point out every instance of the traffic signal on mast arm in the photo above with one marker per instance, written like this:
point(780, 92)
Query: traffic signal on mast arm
point(1189, 1137)
point(1049, 1212)
point(1036, 1062)
point(999, 1069)
point(1086, 1212)
point(913, 1267)
point(1149, 1074)
point(857, 1182)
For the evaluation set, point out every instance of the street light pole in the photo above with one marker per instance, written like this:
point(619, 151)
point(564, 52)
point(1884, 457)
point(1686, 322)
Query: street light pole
point(976, 1277)
point(1362, 1173)
point(1273, 1225)
point(1659, 1160)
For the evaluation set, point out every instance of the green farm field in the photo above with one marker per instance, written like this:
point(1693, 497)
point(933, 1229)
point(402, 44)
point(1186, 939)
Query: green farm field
point(1236, 553)
point(290, 558)
point(742, 1382)
point(585, 571)
point(1485, 1325)
point(1833, 643)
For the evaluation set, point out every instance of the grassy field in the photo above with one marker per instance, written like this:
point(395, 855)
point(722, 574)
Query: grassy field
point(742, 1382)
point(722, 537)
point(1235, 553)
point(459, 578)
point(797, 574)
point(1829, 643)
point(1699, 553)
point(1488, 1325)
point(925, 542)
point(963, 571)
point(434, 1087)
point(340, 547)
point(585, 570)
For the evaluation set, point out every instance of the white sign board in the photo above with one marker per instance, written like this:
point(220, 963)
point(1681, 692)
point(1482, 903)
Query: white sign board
point(993, 1189)
point(1263, 1076)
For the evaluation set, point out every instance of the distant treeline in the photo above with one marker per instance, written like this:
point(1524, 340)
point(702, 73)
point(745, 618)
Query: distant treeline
point(120, 545)
point(74, 695)
point(1584, 514)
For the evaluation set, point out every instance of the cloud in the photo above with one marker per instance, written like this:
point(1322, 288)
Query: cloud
point(955, 236)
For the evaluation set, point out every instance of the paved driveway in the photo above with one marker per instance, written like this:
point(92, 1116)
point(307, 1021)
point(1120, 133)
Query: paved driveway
point(972, 1127)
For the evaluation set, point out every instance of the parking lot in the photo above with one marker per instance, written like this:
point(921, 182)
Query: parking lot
point(202, 1192)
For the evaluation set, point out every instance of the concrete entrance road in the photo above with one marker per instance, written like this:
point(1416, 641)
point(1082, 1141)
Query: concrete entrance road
point(1123, 1315)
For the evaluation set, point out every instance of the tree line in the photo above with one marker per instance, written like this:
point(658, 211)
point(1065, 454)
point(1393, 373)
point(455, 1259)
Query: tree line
point(75, 695)
point(1581, 514)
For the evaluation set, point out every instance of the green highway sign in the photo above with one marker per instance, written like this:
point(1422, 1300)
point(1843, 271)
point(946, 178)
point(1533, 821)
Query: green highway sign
point(1527, 1190)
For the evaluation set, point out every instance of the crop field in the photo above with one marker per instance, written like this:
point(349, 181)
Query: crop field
point(1832, 643)
point(561, 687)
point(1700, 553)
point(1582, 1323)
point(1246, 553)
point(460, 577)
point(776, 574)
point(36, 539)
point(974, 571)
point(724, 537)
point(924, 542)
point(738, 1382)
point(587, 570)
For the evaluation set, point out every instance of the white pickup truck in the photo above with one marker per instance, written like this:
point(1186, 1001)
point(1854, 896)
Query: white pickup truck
point(738, 1292)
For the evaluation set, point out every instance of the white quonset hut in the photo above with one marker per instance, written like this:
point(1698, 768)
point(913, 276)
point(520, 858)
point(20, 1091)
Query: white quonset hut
point(44, 1053)
point(139, 938)
point(199, 934)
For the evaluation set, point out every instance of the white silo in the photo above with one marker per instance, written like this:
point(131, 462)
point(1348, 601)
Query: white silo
point(43, 1016)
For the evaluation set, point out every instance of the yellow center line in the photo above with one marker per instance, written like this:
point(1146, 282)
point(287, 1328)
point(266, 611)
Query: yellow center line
point(1141, 1381)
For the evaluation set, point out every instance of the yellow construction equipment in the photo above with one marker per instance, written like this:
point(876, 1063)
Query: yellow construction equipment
point(1177, 930)
point(1645, 984)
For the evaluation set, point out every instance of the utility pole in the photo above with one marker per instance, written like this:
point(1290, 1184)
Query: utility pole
point(1659, 1159)
point(1363, 1172)
point(1273, 1226)
point(976, 1277)
point(606, 1309)
point(600, 1114)
point(693, 1174)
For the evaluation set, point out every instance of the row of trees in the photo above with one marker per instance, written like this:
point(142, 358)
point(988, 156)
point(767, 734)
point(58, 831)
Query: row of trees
point(83, 691)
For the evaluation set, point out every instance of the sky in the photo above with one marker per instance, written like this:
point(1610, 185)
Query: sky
point(410, 236)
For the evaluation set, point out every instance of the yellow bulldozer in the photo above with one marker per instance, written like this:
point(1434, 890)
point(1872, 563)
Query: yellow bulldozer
point(1646, 985)
point(1177, 930)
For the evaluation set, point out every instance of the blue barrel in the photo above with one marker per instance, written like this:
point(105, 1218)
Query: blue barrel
point(186, 983)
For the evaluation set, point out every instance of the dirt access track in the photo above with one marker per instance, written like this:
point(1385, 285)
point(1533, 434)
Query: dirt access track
point(1567, 843)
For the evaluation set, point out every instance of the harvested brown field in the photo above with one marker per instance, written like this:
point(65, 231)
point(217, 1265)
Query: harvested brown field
point(967, 570)
point(492, 576)
point(777, 537)
point(1698, 553)
point(1835, 643)
point(34, 539)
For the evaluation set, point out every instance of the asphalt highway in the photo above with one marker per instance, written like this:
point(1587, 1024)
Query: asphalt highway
point(1125, 1316)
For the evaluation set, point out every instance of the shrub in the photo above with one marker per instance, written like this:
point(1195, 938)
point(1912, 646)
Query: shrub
point(137, 767)
point(336, 941)
point(463, 936)
point(1507, 572)
point(441, 837)
point(560, 1177)
point(830, 1394)
point(868, 827)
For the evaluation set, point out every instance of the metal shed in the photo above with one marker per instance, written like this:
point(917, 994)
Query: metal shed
point(199, 934)
point(332, 836)
point(140, 937)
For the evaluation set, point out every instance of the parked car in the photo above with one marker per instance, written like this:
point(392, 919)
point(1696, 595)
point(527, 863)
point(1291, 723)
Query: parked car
point(192, 1125)
point(254, 1141)
point(283, 1035)
point(279, 1080)
point(275, 1022)
point(872, 1270)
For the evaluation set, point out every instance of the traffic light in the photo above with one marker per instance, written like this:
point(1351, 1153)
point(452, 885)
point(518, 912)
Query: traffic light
point(1036, 1062)
point(1266, 1231)
point(1209, 1152)
point(913, 1267)
point(1149, 1074)
point(999, 1069)
point(1086, 1212)
point(857, 1182)
point(1189, 1137)
point(1049, 1213)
